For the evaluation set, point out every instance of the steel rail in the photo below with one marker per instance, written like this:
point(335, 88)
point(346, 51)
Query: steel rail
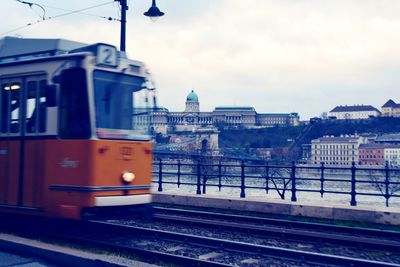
point(379, 233)
point(87, 233)
point(92, 231)
point(343, 240)
point(150, 254)
point(235, 246)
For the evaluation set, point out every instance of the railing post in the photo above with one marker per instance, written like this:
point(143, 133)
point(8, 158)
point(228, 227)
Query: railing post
point(198, 191)
point(293, 177)
point(160, 175)
point(243, 184)
point(219, 175)
point(266, 177)
point(387, 195)
point(179, 173)
point(204, 181)
point(353, 192)
point(322, 179)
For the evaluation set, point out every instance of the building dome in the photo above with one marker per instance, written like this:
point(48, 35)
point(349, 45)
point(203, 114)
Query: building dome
point(192, 97)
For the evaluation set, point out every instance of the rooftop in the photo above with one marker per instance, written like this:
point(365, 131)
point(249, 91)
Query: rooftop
point(354, 108)
point(336, 139)
point(391, 104)
point(275, 114)
point(11, 47)
point(372, 146)
point(395, 137)
point(233, 108)
point(160, 109)
point(192, 97)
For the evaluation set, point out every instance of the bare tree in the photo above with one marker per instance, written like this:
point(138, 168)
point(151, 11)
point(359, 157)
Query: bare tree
point(280, 177)
point(386, 181)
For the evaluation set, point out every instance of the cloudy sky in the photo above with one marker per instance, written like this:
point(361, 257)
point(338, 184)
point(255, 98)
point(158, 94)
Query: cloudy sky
point(280, 56)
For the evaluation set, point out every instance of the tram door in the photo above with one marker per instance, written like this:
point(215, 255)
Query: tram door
point(20, 148)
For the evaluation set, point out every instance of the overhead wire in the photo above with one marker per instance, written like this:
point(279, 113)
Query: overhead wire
point(30, 4)
point(83, 13)
point(21, 27)
point(80, 10)
point(54, 17)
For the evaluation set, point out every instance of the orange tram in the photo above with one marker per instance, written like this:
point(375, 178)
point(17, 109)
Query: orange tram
point(74, 128)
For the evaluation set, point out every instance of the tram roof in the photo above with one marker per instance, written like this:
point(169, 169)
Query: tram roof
point(12, 49)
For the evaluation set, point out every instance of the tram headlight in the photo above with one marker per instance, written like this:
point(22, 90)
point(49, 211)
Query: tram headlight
point(128, 177)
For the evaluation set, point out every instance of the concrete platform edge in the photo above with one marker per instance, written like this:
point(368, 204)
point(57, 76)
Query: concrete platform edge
point(389, 216)
point(52, 256)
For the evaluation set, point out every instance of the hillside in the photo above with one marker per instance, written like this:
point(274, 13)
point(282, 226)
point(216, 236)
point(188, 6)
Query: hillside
point(285, 136)
point(380, 125)
point(256, 138)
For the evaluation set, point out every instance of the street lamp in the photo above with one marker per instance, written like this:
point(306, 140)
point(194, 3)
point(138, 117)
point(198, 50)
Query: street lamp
point(153, 12)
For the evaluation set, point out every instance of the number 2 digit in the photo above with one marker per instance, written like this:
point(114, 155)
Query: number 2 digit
point(108, 55)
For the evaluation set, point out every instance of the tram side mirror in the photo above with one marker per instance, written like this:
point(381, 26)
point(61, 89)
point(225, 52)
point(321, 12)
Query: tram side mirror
point(51, 95)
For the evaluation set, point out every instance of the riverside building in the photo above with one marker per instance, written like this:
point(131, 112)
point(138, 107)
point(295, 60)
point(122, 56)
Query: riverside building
point(392, 155)
point(333, 150)
point(372, 154)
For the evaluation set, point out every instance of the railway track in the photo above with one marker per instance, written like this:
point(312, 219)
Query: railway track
point(328, 233)
point(200, 250)
point(355, 242)
point(287, 224)
point(169, 245)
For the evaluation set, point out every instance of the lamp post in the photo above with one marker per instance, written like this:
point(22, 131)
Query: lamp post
point(153, 12)
point(124, 8)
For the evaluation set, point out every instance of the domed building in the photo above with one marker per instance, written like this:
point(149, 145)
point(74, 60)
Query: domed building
point(191, 119)
point(192, 102)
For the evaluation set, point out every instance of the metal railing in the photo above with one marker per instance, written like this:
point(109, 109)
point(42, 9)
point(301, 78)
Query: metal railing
point(352, 181)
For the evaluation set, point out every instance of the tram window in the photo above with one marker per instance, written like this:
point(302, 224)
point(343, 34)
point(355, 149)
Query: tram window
point(36, 109)
point(42, 106)
point(31, 107)
point(10, 107)
point(15, 91)
point(115, 95)
point(113, 100)
point(5, 114)
point(74, 108)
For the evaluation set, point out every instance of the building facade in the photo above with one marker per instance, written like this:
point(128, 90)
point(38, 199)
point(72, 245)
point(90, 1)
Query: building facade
point(191, 118)
point(354, 112)
point(392, 155)
point(363, 150)
point(372, 154)
point(278, 119)
point(332, 150)
point(391, 109)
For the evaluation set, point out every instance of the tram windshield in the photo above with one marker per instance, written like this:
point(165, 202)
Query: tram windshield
point(122, 106)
